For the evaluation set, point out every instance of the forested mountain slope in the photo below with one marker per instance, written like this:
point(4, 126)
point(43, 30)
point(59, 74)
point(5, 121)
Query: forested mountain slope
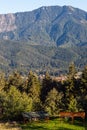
point(45, 38)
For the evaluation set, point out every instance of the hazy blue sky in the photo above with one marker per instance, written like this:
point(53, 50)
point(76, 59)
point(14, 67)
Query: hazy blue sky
point(10, 6)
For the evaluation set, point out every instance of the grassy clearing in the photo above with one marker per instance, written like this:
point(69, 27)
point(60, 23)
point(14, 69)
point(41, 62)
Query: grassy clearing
point(55, 125)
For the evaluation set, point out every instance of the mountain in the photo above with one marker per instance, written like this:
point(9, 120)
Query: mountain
point(59, 25)
point(48, 37)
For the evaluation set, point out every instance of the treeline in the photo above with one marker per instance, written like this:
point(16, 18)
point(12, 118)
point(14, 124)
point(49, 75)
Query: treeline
point(20, 94)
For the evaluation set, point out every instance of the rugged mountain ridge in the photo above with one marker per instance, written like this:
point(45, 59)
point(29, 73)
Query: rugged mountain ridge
point(59, 25)
point(48, 38)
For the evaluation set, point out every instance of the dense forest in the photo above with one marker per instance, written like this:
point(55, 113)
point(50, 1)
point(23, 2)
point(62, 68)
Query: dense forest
point(20, 93)
point(25, 56)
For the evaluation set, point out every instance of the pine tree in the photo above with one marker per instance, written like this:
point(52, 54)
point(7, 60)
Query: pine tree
point(47, 85)
point(53, 102)
point(72, 71)
point(33, 89)
point(73, 104)
point(15, 79)
point(83, 88)
point(70, 85)
point(84, 81)
point(2, 81)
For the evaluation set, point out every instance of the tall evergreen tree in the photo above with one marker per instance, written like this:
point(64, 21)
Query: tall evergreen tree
point(33, 89)
point(47, 85)
point(2, 81)
point(83, 88)
point(15, 79)
point(74, 105)
point(70, 86)
point(70, 82)
point(72, 70)
point(53, 102)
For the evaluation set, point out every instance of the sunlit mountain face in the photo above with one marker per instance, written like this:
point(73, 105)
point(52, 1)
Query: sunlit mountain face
point(45, 38)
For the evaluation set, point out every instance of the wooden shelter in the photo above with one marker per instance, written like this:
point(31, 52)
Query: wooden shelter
point(34, 116)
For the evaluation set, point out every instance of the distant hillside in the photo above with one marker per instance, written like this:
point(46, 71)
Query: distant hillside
point(45, 38)
point(40, 58)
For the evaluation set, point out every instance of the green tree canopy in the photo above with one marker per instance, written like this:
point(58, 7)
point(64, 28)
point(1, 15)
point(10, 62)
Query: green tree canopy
point(53, 102)
point(46, 86)
point(15, 79)
point(2, 81)
point(74, 105)
point(83, 88)
point(33, 89)
point(72, 70)
point(15, 103)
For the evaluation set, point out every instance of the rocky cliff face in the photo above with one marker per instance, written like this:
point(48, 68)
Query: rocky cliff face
point(7, 23)
point(7, 26)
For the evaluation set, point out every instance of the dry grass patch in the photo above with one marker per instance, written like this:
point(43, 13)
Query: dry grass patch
point(9, 126)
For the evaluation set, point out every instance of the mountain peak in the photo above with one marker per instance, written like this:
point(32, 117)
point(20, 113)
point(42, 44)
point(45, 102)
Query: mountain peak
point(52, 36)
point(48, 24)
point(68, 8)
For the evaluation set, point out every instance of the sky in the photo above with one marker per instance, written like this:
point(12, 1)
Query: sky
point(13, 6)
